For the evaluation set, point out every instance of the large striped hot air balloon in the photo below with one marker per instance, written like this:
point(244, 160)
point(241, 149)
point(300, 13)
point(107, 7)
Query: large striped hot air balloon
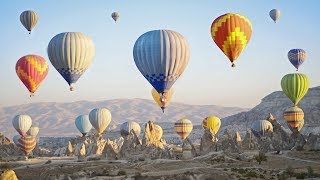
point(32, 70)
point(295, 86)
point(161, 56)
point(231, 32)
point(83, 124)
point(261, 127)
point(29, 19)
point(115, 16)
point(126, 128)
point(33, 131)
point(183, 128)
point(100, 118)
point(27, 144)
point(297, 57)
point(164, 100)
point(22, 124)
point(71, 53)
point(294, 117)
point(274, 14)
point(213, 123)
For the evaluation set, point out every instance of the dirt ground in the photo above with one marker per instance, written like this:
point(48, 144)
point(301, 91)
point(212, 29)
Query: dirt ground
point(212, 166)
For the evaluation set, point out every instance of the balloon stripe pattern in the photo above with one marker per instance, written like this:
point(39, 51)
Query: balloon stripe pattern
point(33, 131)
point(100, 119)
point(32, 70)
point(295, 86)
point(274, 14)
point(22, 124)
point(294, 116)
point(29, 19)
point(183, 128)
point(297, 57)
point(161, 56)
point(231, 33)
point(27, 144)
point(126, 128)
point(261, 127)
point(83, 124)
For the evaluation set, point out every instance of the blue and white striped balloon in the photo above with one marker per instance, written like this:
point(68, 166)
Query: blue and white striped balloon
point(297, 57)
point(83, 124)
point(274, 14)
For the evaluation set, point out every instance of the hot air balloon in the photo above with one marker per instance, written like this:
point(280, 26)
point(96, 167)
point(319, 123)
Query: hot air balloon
point(164, 100)
point(183, 128)
point(295, 86)
point(32, 70)
point(29, 19)
point(161, 56)
point(115, 16)
point(274, 14)
point(100, 118)
point(213, 123)
point(27, 144)
point(294, 117)
point(231, 33)
point(15, 139)
point(261, 127)
point(297, 57)
point(33, 131)
point(22, 124)
point(126, 128)
point(83, 124)
point(71, 53)
point(159, 131)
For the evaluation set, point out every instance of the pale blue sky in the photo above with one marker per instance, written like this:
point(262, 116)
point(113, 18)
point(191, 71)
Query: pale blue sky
point(208, 78)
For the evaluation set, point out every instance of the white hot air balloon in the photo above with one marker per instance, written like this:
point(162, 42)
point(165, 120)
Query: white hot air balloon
point(33, 131)
point(29, 19)
point(22, 124)
point(126, 128)
point(100, 118)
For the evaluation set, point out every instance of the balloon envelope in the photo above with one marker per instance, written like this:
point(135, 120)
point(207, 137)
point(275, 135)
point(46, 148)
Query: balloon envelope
point(33, 131)
point(83, 124)
point(126, 128)
point(294, 117)
point(27, 144)
point(297, 57)
point(22, 124)
point(29, 19)
point(231, 33)
point(213, 123)
point(163, 100)
point(71, 54)
point(100, 118)
point(274, 14)
point(295, 86)
point(161, 56)
point(115, 16)
point(261, 127)
point(183, 128)
point(15, 139)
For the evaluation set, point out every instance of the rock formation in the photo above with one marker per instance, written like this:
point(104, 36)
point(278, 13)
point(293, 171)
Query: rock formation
point(8, 175)
point(69, 151)
point(208, 142)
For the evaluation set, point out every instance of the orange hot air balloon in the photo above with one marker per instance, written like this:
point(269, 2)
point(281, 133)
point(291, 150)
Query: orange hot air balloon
point(231, 33)
point(32, 70)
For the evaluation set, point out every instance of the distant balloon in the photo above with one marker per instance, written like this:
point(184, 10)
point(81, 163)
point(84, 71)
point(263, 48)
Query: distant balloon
point(295, 118)
point(83, 124)
point(29, 19)
point(71, 54)
point(295, 86)
point(261, 127)
point(213, 123)
point(297, 57)
point(231, 33)
point(126, 128)
point(100, 118)
point(161, 56)
point(15, 139)
point(27, 144)
point(162, 100)
point(159, 131)
point(115, 16)
point(33, 131)
point(32, 70)
point(22, 124)
point(183, 128)
point(274, 14)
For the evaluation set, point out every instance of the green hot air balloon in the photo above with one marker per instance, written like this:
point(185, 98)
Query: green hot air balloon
point(295, 86)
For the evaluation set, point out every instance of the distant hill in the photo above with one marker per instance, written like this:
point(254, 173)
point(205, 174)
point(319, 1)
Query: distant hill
point(57, 119)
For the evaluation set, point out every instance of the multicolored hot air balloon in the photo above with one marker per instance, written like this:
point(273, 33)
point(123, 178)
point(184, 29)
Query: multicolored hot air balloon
point(100, 118)
point(297, 57)
point(261, 127)
point(83, 124)
point(27, 144)
point(231, 33)
point(295, 86)
point(71, 53)
point(22, 124)
point(15, 139)
point(159, 131)
point(213, 123)
point(274, 14)
point(294, 117)
point(126, 128)
point(115, 16)
point(161, 56)
point(29, 19)
point(32, 70)
point(183, 128)
point(33, 131)
point(164, 100)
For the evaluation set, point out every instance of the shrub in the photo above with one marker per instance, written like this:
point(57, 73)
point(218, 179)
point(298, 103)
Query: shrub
point(310, 171)
point(300, 175)
point(290, 171)
point(260, 157)
point(48, 162)
point(122, 173)
point(5, 166)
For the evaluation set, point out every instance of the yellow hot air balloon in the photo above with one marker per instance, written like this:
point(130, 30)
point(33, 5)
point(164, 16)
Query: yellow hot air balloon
point(212, 122)
point(294, 117)
point(162, 100)
point(183, 128)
